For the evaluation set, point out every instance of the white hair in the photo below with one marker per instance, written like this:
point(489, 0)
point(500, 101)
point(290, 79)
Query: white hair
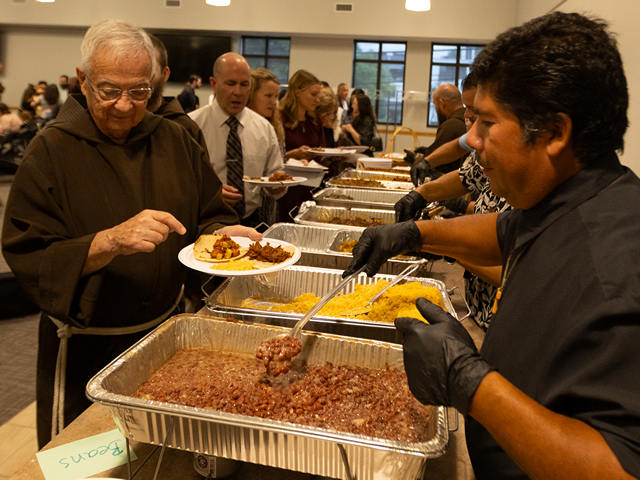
point(120, 38)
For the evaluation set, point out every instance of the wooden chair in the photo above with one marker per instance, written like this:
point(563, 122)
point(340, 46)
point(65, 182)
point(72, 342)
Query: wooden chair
point(390, 144)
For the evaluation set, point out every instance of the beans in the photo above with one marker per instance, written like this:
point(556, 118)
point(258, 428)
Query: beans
point(372, 402)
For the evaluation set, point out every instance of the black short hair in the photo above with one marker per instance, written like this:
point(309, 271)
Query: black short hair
point(470, 81)
point(560, 63)
point(161, 50)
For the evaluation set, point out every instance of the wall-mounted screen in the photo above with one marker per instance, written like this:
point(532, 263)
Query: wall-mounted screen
point(193, 53)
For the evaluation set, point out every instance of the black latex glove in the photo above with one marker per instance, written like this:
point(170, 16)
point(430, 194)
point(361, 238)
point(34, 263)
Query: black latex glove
point(378, 244)
point(456, 205)
point(442, 364)
point(409, 156)
point(421, 170)
point(409, 206)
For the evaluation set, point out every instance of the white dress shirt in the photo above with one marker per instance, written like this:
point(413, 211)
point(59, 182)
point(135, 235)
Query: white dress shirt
point(261, 154)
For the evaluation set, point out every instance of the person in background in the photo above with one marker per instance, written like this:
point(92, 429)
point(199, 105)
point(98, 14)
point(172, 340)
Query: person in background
point(63, 84)
point(425, 166)
point(28, 101)
point(343, 92)
point(9, 121)
point(169, 107)
point(50, 102)
point(302, 131)
point(74, 86)
point(1, 86)
point(240, 141)
point(326, 111)
point(347, 115)
point(362, 129)
point(263, 99)
point(553, 393)
point(448, 103)
point(481, 282)
point(187, 97)
point(105, 198)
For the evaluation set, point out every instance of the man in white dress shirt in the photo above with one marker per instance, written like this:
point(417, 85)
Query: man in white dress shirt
point(240, 141)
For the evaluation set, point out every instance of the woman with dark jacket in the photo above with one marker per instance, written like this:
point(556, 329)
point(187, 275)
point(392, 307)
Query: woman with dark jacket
point(362, 129)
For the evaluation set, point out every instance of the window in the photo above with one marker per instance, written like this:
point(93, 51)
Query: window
point(450, 63)
point(268, 52)
point(378, 68)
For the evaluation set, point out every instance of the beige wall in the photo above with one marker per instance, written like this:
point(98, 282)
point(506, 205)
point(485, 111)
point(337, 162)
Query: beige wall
point(622, 16)
point(42, 40)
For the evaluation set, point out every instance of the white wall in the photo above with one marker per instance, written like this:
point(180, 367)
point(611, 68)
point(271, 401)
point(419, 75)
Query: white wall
point(622, 16)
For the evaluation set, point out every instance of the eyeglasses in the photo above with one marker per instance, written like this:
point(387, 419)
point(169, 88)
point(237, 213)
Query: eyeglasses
point(109, 94)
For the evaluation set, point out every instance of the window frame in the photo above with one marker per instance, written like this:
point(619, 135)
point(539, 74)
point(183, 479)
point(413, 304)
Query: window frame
point(375, 97)
point(266, 56)
point(457, 65)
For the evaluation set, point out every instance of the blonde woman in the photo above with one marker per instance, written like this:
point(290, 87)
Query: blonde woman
point(263, 99)
point(298, 109)
point(302, 130)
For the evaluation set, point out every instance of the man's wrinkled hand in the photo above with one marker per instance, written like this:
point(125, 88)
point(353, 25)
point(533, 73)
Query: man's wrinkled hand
point(143, 232)
point(441, 361)
point(230, 195)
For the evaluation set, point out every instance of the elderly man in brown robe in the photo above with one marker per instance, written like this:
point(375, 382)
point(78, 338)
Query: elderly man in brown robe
point(103, 202)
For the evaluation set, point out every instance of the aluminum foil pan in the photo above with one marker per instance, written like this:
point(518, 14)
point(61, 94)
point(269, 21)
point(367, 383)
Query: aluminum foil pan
point(371, 175)
point(357, 198)
point(251, 439)
point(287, 284)
point(316, 245)
point(312, 214)
point(388, 180)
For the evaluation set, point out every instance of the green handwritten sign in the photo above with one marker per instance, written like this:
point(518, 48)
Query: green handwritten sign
point(85, 457)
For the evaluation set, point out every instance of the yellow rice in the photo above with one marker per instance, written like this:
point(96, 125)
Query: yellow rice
point(397, 301)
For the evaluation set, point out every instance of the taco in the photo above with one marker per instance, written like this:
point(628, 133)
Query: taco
point(214, 248)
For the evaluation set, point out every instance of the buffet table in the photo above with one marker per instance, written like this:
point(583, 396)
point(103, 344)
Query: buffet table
point(454, 464)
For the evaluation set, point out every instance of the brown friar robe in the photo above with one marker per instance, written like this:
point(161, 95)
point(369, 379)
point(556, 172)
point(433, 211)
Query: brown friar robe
point(74, 182)
point(171, 109)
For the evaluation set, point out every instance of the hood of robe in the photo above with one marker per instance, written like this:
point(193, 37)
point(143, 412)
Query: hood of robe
point(74, 118)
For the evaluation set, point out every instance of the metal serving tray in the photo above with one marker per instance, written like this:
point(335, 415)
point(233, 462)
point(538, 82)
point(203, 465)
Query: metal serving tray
point(312, 214)
point(358, 198)
point(252, 439)
point(226, 300)
point(372, 175)
point(316, 245)
point(386, 179)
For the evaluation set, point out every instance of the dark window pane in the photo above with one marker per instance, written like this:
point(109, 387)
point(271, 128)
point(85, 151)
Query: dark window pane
point(255, 62)
point(367, 50)
point(391, 88)
point(468, 53)
point(365, 76)
point(279, 66)
point(444, 53)
point(254, 46)
point(393, 51)
point(440, 75)
point(279, 46)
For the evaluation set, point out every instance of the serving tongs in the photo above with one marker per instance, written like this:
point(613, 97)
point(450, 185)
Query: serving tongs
point(401, 276)
point(323, 301)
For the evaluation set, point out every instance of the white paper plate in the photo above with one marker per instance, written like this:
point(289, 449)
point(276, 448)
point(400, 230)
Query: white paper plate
point(264, 182)
point(334, 152)
point(359, 148)
point(186, 258)
point(305, 168)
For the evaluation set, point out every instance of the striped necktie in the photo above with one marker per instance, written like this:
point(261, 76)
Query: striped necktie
point(235, 169)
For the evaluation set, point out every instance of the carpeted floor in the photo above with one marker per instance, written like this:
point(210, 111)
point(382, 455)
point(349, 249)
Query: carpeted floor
point(19, 339)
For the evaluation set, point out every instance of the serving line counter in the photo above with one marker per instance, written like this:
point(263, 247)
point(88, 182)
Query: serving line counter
point(176, 464)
